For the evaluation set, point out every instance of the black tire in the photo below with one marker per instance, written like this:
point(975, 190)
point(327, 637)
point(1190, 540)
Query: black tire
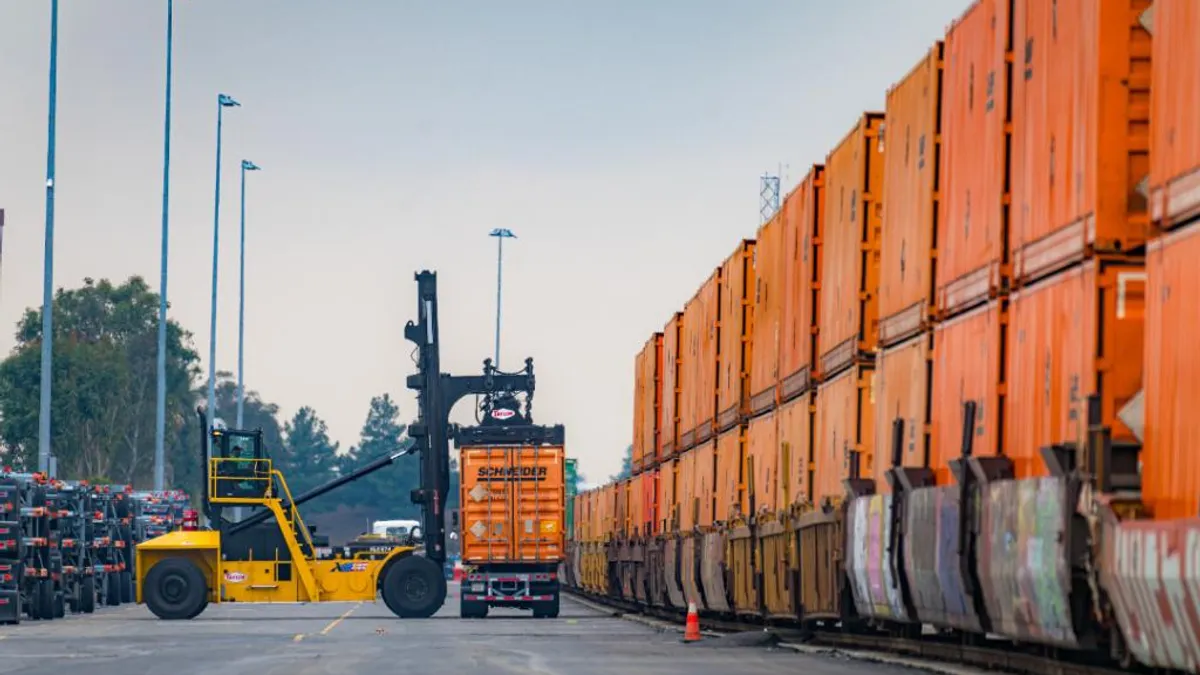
point(60, 605)
point(112, 595)
point(45, 599)
point(125, 583)
point(547, 610)
point(201, 608)
point(414, 587)
point(175, 589)
point(87, 595)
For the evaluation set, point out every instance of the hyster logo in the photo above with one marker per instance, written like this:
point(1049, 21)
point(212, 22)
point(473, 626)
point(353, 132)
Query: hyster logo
point(512, 473)
point(502, 413)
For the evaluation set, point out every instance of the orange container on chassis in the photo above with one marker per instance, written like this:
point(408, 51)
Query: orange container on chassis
point(512, 511)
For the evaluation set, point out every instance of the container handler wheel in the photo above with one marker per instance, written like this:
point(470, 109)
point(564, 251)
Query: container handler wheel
point(175, 589)
point(45, 600)
point(414, 587)
point(87, 595)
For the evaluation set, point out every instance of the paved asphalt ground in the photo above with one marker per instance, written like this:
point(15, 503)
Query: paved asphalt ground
point(366, 638)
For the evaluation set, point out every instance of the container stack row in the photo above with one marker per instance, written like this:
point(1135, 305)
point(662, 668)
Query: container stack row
point(949, 382)
point(68, 546)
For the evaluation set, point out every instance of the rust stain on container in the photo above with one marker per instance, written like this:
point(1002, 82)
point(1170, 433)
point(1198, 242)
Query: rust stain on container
point(647, 402)
point(769, 300)
point(728, 477)
point(736, 336)
point(1072, 335)
point(796, 459)
point(674, 380)
point(1170, 463)
point(762, 454)
point(1080, 141)
point(1175, 136)
point(850, 247)
point(968, 366)
point(699, 338)
point(902, 383)
point(803, 214)
point(911, 161)
point(845, 438)
point(972, 229)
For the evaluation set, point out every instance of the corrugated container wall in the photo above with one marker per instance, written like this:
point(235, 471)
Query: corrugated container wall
point(1077, 333)
point(968, 365)
point(850, 247)
point(795, 430)
point(762, 455)
point(699, 340)
point(972, 237)
point(1175, 136)
point(730, 455)
point(650, 500)
point(674, 379)
point(704, 482)
point(652, 399)
point(1081, 110)
point(912, 153)
point(1170, 463)
point(845, 435)
point(902, 382)
point(769, 299)
point(637, 506)
point(803, 213)
point(736, 334)
point(667, 500)
point(639, 408)
point(685, 490)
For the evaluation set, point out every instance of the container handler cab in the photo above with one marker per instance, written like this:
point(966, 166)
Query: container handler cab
point(272, 556)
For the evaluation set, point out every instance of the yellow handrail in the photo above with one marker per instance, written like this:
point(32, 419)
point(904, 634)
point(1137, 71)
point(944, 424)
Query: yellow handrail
point(293, 512)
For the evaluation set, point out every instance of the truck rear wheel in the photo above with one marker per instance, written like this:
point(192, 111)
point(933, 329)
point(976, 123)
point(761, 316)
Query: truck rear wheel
point(472, 609)
point(414, 587)
point(175, 589)
point(546, 610)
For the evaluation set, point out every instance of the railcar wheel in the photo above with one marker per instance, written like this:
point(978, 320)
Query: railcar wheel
point(175, 589)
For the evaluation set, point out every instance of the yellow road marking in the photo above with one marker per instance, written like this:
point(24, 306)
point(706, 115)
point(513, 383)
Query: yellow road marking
point(333, 624)
point(299, 637)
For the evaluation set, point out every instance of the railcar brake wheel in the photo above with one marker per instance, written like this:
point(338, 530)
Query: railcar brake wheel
point(175, 588)
point(414, 587)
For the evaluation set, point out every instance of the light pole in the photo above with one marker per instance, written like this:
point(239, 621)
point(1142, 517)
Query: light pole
point(500, 234)
point(223, 101)
point(48, 273)
point(160, 413)
point(247, 165)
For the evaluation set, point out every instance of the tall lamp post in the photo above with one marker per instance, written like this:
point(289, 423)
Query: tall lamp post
point(247, 165)
point(160, 413)
point(223, 101)
point(500, 234)
point(44, 463)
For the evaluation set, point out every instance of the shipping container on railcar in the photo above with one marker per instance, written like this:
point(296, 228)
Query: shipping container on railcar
point(647, 407)
point(1174, 187)
point(854, 179)
point(675, 380)
point(913, 140)
point(972, 245)
point(844, 443)
point(698, 344)
point(735, 336)
point(1081, 108)
point(731, 456)
point(803, 217)
point(769, 288)
point(903, 380)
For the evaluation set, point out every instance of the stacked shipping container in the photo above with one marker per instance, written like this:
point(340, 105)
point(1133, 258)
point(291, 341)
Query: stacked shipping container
point(980, 248)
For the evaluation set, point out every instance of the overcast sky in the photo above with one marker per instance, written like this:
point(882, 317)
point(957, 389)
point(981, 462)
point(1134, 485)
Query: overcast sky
point(621, 141)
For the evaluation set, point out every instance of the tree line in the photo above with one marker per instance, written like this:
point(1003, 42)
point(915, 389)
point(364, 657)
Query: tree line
point(103, 408)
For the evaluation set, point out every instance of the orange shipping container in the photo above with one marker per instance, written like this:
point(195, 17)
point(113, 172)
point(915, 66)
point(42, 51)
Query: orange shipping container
point(728, 478)
point(648, 525)
point(1081, 109)
point(803, 213)
point(902, 391)
point(849, 317)
point(621, 509)
point(704, 482)
point(914, 116)
point(674, 379)
point(762, 455)
point(796, 459)
point(971, 227)
point(735, 335)
point(1170, 463)
point(1075, 334)
point(685, 490)
point(699, 339)
point(513, 503)
point(667, 500)
point(1175, 137)
point(845, 432)
point(637, 507)
point(768, 314)
point(968, 366)
point(651, 408)
point(639, 407)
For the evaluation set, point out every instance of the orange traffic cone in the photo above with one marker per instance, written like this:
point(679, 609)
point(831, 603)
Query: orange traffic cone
point(692, 632)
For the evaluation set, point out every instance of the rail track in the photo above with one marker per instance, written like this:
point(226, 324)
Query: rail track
point(999, 655)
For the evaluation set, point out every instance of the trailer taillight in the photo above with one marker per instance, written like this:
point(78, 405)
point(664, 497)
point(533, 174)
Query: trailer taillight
point(191, 520)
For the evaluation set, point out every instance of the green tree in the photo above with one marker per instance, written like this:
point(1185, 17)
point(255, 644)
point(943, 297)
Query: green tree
point(384, 494)
point(626, 466)
point(104, 385)
point(309, 458)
